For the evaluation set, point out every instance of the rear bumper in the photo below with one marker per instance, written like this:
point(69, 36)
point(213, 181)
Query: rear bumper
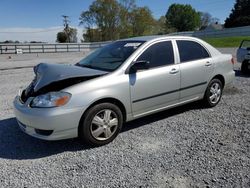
point(48, 123)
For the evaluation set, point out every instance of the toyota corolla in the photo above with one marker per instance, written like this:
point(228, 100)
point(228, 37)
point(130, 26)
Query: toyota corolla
point(120, 82)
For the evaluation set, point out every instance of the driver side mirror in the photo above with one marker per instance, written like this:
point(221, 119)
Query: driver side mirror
point(137, 65)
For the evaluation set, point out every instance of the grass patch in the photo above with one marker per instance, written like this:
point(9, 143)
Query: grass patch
point(226, 42)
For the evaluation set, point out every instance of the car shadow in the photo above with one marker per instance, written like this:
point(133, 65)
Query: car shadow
point(162, 115)
point(14, 144)
point(238, 73)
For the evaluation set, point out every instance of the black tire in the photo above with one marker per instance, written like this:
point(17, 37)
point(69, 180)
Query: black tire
point(244, 67)
point(87, 127)
point(207, 100)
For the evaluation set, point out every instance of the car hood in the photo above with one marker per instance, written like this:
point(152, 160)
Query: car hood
point(47, 74)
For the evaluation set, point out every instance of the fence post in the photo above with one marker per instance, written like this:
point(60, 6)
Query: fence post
point(1, 49)
point(29, 49)
point(67, 48)
point(43, 48)
point(15, 49)
point(79, 48)
point(55, 48)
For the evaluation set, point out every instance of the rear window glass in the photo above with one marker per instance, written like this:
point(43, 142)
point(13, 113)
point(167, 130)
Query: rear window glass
point(190, 51)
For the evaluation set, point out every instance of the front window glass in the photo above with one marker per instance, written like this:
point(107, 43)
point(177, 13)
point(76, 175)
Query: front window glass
point(110, 57)
point(159, 54)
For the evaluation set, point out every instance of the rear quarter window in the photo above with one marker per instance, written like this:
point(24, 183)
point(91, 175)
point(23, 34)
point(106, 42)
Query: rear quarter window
point(190, 51)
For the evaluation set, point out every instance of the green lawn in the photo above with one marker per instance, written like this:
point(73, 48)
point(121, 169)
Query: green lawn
point(226, 42)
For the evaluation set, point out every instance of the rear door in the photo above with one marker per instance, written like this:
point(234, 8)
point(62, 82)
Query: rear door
point(196, 66)
point(158, 86)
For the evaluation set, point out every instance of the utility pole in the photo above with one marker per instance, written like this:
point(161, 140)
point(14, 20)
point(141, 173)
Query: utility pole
point(66, 26)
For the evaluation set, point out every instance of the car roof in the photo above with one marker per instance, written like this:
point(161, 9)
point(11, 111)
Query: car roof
point(154, 37)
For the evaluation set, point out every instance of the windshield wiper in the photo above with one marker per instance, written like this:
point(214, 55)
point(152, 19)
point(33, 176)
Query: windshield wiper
point(84, 65)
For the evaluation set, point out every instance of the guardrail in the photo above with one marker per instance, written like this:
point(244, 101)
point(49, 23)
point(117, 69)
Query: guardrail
point(227, 32)
point(49, 48)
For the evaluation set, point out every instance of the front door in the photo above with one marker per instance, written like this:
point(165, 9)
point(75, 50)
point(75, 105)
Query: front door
point(158, 86)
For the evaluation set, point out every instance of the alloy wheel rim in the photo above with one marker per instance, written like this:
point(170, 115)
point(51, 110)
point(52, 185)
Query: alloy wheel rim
point(104, 125)
point(215, 93)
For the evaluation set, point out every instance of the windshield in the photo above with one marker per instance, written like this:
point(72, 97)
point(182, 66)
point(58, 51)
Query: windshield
point(110, 57)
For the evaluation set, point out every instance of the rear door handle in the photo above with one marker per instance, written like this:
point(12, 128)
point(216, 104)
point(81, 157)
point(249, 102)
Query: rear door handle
point(208, 64)
point(173, 71)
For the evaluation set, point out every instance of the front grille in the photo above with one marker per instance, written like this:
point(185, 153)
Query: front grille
point(44, 132)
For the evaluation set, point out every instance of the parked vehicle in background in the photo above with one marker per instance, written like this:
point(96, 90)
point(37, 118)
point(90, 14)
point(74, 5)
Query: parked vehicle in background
point(243, 56)
point(120, 82)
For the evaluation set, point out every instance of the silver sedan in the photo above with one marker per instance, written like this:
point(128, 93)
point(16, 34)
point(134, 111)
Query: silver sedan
point(120, 82)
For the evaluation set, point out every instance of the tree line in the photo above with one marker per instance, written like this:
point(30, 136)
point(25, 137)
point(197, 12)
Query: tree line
point(116, 19)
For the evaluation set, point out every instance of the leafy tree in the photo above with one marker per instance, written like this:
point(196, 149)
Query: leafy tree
point(112, 19)
point(142, 21)
point(207, 19)
point(104, 14)
point(182, 17)
point(125, 26)
point(68, 34)
point(240, 15)
point(159, 26)
point(72, 35)
point(87, 18)
point(92, 35)
point(61, 37)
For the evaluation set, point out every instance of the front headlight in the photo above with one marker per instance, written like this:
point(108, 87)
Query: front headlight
point(51, 99)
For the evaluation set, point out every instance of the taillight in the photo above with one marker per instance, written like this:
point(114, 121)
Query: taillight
point(232, 61)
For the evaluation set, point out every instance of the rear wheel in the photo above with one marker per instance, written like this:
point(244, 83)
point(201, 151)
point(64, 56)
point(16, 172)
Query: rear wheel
point(100, 124)
point(213, 93)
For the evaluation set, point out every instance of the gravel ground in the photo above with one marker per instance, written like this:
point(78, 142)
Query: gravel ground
point(188, 146)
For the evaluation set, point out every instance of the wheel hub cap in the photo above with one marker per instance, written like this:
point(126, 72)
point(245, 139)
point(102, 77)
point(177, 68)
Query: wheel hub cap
point(215, 93)
point(104, 124)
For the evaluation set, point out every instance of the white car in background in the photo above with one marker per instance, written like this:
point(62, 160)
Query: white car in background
point(243, 55)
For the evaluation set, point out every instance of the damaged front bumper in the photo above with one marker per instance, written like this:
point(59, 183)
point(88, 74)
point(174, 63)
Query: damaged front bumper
point(47, 123)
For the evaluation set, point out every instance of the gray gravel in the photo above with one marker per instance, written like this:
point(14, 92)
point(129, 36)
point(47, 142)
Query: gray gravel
point(188, 146)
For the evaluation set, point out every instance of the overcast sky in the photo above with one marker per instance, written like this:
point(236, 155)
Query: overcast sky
point(40, 20)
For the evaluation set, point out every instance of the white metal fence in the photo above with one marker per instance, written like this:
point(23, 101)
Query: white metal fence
point(49, 48)
point(78, 47)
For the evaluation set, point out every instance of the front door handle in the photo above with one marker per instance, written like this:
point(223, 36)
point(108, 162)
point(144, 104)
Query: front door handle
point(208, 64)
point(173, 71)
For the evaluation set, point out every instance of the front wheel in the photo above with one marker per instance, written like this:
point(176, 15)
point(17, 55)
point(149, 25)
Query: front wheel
point(100, 124)
point(213, 93)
